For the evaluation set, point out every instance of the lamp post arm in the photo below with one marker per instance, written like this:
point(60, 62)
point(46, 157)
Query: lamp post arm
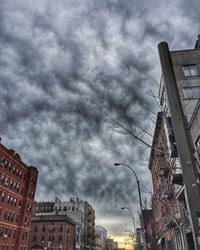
point(131, 170)
point(138, 183)
point(132, 218)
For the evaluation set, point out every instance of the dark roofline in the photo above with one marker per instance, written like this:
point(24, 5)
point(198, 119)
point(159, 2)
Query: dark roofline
point(37, 218)
point(183, 50)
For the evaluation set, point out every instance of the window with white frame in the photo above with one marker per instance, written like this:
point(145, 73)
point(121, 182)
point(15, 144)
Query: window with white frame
point(190, 70)
point(191, 92)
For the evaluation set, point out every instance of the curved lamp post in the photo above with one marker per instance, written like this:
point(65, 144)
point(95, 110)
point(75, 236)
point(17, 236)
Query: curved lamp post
point(138, 183)
point(126, 208)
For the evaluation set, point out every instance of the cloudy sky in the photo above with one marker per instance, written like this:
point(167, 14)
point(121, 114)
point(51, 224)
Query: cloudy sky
point(65, 65)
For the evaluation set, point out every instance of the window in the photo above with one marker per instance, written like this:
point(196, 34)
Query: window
point(192, 92)
point(29, 207)
point(2, 178)
point(35, 228)
point(8, 198)
point(6, 181)
point(12, 217)
point(17, 218)
point(20, 203)
point(25, 220)
point(197, 143)
point(9, 216)
point(5, 214)
point(14, 234)
point(2, 196)
point(190, 70)
point(14, 168)
point(26, 235)
point(15, 202)
point(51, 238)
point(43, 228)
point(61, 227)
point(11, 200)
point(9, 166)
point(52, 227)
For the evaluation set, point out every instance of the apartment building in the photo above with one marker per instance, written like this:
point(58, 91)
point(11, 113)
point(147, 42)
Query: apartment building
point(17, 191)
point(81, 212)
point(167, 209)
point(101, 237)
point(180, 101)
point(52, 232)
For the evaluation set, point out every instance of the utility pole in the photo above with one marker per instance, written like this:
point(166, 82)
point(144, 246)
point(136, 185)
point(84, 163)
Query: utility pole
point(183, 141)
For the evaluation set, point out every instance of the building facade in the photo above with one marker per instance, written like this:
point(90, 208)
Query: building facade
point(179, 98)
point(17, 191)
point(52, 232)
point(167, 209)
point(82, 214)
point(101, 235)
point(110, 244)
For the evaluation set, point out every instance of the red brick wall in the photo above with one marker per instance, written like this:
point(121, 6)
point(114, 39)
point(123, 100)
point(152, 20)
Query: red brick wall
point(17, 191)
point(59, 233)
point(161, 182)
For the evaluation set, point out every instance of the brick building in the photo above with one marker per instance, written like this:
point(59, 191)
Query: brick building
point(180, 103)
point(81, 212)
point(17, 191)
point(52, 232)
point(110, 244)
point(163, 202)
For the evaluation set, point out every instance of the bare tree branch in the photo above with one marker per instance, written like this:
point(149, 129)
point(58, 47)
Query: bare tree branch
point(134, 134)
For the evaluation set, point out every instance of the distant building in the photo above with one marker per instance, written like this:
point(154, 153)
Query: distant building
point(138, 239)
point(82, 214)
point(98, 242)
point(52, 232)
point(110, 244)
point(101, 235)
point(17, 191)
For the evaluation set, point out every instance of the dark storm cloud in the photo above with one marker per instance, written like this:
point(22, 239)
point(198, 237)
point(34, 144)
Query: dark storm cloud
point(63, 66)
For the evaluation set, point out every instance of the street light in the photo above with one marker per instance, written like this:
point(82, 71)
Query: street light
point(138, 183)
point(126, 208)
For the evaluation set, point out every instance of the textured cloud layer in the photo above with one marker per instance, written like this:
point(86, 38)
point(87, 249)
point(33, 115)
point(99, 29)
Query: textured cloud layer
point(64, 64)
